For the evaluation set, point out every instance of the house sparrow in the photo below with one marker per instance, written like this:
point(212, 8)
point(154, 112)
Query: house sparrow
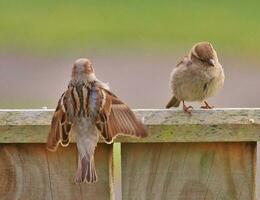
point(89, 109)
point(196, 77)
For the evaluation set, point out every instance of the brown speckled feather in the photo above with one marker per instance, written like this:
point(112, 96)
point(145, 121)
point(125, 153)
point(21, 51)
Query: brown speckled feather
point(62, 122)
point(115, 118)
point(87, 109)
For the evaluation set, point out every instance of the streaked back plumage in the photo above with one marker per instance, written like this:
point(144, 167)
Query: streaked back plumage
point(87, 108)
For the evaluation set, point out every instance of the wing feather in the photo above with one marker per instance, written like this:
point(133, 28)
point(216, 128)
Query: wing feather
point(115, 118)
point(62, 122)
point(54, 136)
point(76, 98)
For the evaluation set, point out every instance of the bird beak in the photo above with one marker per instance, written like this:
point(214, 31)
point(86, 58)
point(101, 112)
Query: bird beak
point(211, 62)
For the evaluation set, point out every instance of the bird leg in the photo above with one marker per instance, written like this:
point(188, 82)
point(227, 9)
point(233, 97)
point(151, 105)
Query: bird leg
point(186, 109)
point(207, 106)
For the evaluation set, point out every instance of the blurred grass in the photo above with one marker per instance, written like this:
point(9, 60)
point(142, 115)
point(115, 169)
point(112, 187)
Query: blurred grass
point(58, 26)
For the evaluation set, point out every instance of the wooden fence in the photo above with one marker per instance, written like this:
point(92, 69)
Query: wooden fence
point(211, 155)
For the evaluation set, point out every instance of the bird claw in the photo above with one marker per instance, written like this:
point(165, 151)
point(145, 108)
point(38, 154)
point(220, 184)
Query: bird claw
point(187, 109)
point(207, 106)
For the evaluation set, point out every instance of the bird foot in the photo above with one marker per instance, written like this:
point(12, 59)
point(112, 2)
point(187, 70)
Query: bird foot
point(187, 110)
point(207, 106)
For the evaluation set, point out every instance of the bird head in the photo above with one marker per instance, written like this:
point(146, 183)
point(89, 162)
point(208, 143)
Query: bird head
point(84, 70)
point(204, 54)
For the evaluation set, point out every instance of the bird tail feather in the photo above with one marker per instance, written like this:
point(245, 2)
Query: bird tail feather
point(174, 102)
point(86, 170)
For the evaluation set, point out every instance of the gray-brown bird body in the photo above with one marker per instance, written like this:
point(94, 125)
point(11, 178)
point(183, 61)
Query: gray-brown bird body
point(197, 77)
point(88, 109)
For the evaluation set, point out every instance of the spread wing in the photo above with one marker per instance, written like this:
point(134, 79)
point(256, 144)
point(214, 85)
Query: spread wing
point(115, 118)
point(62, 121)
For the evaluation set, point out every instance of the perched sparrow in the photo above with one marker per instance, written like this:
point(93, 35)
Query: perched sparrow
point(196, 77)
point(87, 108)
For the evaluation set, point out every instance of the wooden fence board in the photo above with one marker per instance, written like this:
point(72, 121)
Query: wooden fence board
point(62, 168)
point(29, 172)
point(31, 126)
point(209, 156)
point(188, 171)
point(149, 116)
point(101, 189)
point(24, 172)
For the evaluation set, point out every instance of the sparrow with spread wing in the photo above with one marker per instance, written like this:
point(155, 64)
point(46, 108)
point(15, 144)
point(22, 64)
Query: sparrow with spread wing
point(89, 109)
point(196, 77)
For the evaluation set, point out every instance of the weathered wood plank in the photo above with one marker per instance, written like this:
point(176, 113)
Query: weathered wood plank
point(149, 116)
point(32, 126)
point(189, 171)
point(24, 172)
point(24, 133)
point(30, 172)
point(101, 189)
point(62, 168)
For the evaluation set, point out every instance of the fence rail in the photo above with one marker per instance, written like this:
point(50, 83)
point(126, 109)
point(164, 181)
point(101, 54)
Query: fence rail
point(210, 155)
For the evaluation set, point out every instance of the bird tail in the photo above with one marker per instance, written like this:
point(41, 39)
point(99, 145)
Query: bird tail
point(86, 170)
point(174, 102)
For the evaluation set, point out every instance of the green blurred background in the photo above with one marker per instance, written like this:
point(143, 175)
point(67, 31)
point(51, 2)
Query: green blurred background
point(134, 45)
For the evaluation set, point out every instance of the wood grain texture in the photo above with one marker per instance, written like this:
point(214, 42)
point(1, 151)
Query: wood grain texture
point(159, 170)
point(24, 173)
point(188, 171)
point(29, 172)
point(32, 126)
